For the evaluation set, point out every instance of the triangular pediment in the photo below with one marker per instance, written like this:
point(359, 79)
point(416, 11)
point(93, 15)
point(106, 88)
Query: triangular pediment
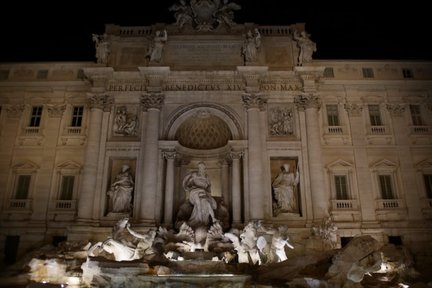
point(425, 164)
point(26, 165)
point(384, 164)
point(339, 165)
point(69, 165)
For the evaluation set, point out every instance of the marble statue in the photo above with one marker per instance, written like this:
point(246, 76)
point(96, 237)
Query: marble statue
point(155, 52)
point(281, 122)
point(125, 243)
point(197, 184)
point(306, 46)
point(284, 189)
point(204, 15)
point(125, 123)
point(183, 13)
point(225, 13)
point(102, 48)
point(251, 45)
point(120, 193)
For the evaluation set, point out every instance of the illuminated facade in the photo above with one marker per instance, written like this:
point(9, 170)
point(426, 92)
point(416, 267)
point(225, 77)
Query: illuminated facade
point(244, 99)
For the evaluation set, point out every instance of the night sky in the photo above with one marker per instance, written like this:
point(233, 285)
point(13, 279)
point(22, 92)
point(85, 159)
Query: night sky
point(38, 31)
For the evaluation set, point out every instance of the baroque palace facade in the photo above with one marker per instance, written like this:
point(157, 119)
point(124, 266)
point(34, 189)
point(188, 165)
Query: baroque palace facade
point(244, 99)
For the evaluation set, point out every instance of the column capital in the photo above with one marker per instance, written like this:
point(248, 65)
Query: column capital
point(236, 155)
point(56, 111)
point(100, 101)
point(152, 101)
point(396, 110)
point(253, 100)
point(353, 109)
point(306, 101)
point(169, 154)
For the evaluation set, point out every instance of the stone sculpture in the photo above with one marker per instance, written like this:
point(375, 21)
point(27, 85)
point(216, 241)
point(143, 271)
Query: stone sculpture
point(120, 193)
point(284, 188)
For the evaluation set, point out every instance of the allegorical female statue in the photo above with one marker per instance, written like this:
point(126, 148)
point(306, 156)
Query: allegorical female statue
point(120, 193)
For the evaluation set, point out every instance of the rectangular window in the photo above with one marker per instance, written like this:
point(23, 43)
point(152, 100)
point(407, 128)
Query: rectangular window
point(35, 117)
point(416, 117)
point(386, 187)
point(368, 73)
point(11, 249)
point(77, 115)
point(328, 72)
point(341, 187)
point(22, 187)
point(67, 186)
point(42, 74)
point(332, 115)
point(428, 184)
point(375, 115)
point(4, 74)
point(407, 73)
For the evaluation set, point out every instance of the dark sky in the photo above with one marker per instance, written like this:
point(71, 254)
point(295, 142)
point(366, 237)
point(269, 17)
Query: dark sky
point(61, 31)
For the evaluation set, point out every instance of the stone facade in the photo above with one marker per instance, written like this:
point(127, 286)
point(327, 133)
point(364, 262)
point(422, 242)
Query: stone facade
point(357, 132)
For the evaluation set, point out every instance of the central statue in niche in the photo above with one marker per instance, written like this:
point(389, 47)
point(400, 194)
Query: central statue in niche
point(199, 208)
point(197, 183)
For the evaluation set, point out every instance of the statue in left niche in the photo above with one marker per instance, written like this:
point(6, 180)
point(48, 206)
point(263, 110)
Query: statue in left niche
point(120, 193)
point(103, 48)
point(125, 123)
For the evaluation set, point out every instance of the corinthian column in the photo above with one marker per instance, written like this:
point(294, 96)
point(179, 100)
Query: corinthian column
point(254, 103)
point(169, 188)
point(98, 103)
point(310, 103)
point(152, 103)
point(235, 188)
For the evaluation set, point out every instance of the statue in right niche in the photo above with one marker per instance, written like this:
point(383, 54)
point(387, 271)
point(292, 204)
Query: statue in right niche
point(284, 188)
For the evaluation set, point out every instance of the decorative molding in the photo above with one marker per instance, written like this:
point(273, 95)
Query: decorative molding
point(253, 100)
point(396, 110)
point(15, 111)
point(303, 102)
point(353, 109)
point(152, 101)
point(56, 111)
point(100, 101)
point(236, 155)
point(169, 154)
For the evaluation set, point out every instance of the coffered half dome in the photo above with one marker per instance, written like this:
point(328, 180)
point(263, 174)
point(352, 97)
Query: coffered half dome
point(203, 130)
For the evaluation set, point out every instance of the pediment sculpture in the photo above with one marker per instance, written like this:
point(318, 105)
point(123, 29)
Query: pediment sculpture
point(204, 15)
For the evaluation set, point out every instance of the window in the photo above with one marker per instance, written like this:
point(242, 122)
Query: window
point(386, 186)
point(368, 73)
point(77, 115)
point(416, 117)
point(341, 187)
point(395, 240)
point(375, 115)
point(328, 72)
point(428, 184)
point(4, 74)
point(11, 249)
point(22, 187)
point(67, 186)
point(407, 73)
point(332, 115)
point(35, 116)
point(42, 74)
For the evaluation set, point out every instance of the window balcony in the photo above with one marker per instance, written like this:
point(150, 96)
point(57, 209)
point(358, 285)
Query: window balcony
point(344, 204)
point(64, 205)
point(20, 204)
point(384, 204)
point(420, 130)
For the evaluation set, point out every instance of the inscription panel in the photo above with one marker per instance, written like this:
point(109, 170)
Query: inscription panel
point(204, 53)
